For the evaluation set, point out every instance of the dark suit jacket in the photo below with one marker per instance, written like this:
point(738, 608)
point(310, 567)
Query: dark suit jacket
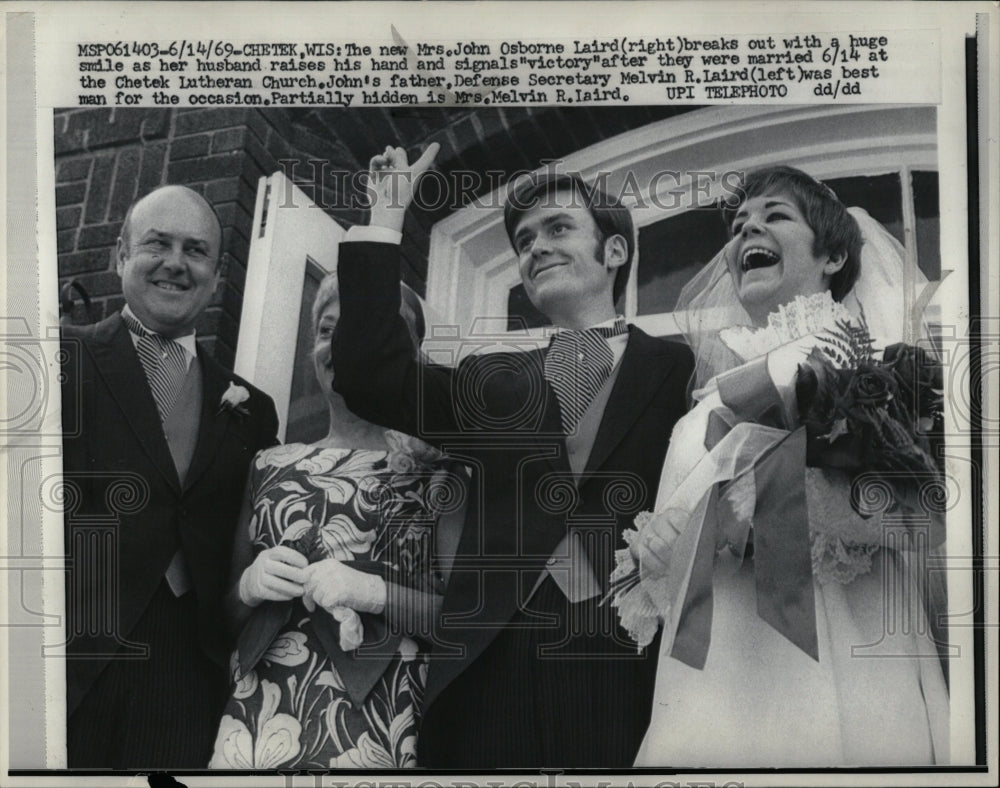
point(497, 412)
point(124, 498)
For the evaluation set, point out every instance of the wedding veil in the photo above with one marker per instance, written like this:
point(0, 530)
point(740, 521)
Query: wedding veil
point(887, 293)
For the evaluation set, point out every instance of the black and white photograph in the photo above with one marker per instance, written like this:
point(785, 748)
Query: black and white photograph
point(390, 405)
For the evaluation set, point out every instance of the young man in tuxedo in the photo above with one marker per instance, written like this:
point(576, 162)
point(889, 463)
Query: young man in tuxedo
point(566, 444)
point(155, 478)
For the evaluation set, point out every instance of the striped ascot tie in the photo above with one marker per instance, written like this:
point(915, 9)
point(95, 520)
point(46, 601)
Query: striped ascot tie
point(164, 362)
point(577, 365)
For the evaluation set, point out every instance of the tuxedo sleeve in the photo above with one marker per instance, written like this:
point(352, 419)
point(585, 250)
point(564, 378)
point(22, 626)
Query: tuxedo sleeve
point(374, 361)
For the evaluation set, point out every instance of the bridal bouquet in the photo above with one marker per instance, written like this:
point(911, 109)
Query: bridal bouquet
point(866, 416)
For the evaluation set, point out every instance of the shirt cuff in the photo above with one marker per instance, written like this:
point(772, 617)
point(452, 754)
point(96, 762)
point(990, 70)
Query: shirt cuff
point(382, 235)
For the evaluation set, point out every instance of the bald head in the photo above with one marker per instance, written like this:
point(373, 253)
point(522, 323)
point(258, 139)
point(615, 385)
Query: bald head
point(170, 193)
point(168, 259)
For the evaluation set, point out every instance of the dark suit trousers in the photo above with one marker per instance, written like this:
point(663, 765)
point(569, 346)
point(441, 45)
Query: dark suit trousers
point(118, 724)
point(516, 707)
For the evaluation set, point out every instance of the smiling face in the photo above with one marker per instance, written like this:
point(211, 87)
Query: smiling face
point(168, 260)
point(772, 255)
point(567, 271)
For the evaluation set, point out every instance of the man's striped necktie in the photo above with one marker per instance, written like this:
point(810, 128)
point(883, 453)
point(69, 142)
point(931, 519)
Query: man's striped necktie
point(165, 364)
point(577, 365)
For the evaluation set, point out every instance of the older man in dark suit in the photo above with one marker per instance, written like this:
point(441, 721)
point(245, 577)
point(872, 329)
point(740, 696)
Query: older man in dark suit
point(155, 478)
point(565, 445)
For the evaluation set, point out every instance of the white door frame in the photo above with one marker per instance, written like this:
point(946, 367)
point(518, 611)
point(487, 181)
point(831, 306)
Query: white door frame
point(289, 229)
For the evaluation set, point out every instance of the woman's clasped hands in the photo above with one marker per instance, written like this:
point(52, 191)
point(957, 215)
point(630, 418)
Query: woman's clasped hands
point(281, 574)
point(276, 574)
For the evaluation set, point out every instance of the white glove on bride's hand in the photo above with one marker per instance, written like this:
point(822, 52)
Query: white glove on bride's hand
point(277, 574)
point(783, 366)
point(331, 584)
point(783, 362)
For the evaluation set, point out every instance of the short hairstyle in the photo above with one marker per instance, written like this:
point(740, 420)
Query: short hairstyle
point(126, 231)
point(610, 216)
point(329, 290)
point(835, 229)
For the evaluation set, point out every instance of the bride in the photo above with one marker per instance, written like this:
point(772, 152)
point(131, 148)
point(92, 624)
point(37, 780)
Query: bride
point(793, 635)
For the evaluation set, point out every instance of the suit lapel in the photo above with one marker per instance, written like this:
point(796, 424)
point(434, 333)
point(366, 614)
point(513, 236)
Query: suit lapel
point(550, 425)
point(638, 381)
point(119, 365)
point(551, 442)
point(212, 425)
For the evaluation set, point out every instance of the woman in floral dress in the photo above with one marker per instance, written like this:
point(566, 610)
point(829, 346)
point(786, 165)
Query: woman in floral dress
point(794, 631)
point(332, 556)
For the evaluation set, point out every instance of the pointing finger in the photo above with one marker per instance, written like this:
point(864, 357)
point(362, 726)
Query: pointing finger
point(427, 158)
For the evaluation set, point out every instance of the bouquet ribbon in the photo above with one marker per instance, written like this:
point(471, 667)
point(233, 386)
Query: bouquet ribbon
point(679, 580)
point(782, 551)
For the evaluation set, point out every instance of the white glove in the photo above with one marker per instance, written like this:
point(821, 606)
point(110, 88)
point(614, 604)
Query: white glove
point(331, 584)
point(277, 573)
point(783, 362)
point(783, 365)
point(352, 632)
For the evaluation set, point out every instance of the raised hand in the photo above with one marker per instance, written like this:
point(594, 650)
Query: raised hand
point(277, 574)
point(392, 182)
point(330, 585)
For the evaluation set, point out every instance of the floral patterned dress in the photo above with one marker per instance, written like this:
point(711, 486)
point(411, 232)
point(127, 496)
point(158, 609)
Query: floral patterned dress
point(292, 710)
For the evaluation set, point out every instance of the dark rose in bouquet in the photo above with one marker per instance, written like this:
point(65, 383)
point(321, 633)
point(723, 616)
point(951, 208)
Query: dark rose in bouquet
point(920, 380)
point(864, 415)
point(872, 387)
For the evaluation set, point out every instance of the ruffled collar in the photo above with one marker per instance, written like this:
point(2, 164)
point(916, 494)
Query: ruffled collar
point(800, 317)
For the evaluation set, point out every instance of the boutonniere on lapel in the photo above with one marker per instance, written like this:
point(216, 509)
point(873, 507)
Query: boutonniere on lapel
point(233, 399)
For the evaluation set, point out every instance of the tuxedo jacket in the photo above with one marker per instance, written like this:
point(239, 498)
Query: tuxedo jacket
point(497, 413)
point(126, 511)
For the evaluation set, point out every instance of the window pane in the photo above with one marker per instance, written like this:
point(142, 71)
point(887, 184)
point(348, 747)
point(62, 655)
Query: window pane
point(673, 250)
point(880, 195)
point(927, 209)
